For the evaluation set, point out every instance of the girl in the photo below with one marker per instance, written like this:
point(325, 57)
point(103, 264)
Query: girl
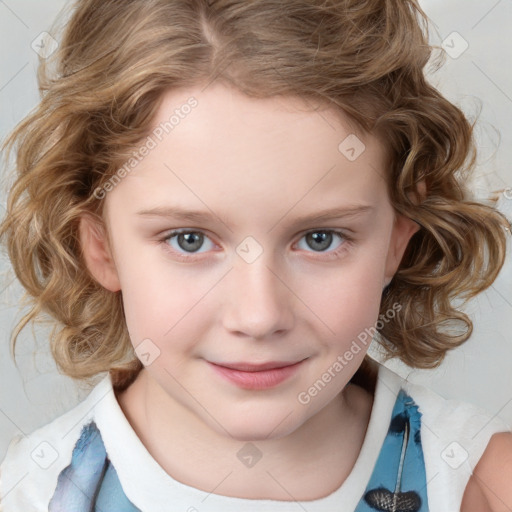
point(222, 203)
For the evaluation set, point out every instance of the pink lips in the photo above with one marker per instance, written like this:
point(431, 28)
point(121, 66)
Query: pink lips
point(251, 376)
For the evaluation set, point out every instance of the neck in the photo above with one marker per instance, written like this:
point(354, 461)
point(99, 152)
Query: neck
point(191, 452)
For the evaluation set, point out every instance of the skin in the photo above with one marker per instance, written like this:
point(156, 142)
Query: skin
point(488, 488)
point(257, 164)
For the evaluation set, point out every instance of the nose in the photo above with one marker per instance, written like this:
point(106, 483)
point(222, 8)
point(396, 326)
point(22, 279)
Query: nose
point(258, 302)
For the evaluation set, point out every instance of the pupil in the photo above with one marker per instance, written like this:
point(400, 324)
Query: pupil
point(319, 237)
point(189, 239)
point(193, 240)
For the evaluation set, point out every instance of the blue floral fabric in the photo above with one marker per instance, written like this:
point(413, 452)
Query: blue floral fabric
point(397, 484)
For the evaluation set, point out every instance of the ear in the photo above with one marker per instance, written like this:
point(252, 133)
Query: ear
point(403, 229)
point(97, 253)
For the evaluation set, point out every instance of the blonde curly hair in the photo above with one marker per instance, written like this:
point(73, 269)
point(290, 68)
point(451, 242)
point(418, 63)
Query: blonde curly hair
point(363, 57)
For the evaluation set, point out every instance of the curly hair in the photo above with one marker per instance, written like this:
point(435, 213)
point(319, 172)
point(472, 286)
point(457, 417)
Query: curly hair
point(363, 58)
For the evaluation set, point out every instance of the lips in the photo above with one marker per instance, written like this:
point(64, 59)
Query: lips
point(257, 376)
point(250, 367)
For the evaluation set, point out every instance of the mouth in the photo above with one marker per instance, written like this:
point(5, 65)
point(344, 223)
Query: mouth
point(257, 376)
point(250, 367)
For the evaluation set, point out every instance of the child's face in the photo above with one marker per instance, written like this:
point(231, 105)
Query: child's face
point(251, 286)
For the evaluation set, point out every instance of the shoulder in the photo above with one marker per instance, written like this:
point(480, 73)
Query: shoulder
point(454, 418)
point(456, 436)
point(489, 484)
point(33, 462)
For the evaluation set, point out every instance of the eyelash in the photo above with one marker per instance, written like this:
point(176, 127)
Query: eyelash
point(346, 245)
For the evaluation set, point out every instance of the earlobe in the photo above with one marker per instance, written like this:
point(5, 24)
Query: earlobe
point(97, 253)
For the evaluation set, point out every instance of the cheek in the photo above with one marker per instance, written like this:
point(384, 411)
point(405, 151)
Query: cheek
point(168, 303)
point(345, 301)
point(161, 303)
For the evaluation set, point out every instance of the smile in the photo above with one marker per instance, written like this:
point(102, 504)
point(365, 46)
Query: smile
point(251, 376)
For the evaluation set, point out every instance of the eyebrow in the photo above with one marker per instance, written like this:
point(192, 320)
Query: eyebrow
point(202, 216)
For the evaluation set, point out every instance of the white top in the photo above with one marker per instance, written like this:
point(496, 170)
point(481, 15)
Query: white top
point(451, 430)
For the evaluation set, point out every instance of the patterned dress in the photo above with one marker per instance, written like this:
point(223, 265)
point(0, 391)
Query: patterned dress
point(418, 453)
point(90, 482)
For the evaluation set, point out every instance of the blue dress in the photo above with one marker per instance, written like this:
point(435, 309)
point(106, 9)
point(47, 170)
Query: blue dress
point(398, 482)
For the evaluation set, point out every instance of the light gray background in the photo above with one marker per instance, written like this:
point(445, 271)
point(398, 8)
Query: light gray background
point(478, 372)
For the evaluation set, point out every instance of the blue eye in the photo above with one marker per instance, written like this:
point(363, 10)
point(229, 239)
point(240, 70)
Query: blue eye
point(188, 242)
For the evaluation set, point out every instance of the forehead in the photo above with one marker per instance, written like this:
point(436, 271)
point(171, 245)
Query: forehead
point(221, 110)
point(217, 146)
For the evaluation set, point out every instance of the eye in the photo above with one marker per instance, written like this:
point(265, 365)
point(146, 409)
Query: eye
point(183, 240)
point(321, 239)
point(186, 244)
